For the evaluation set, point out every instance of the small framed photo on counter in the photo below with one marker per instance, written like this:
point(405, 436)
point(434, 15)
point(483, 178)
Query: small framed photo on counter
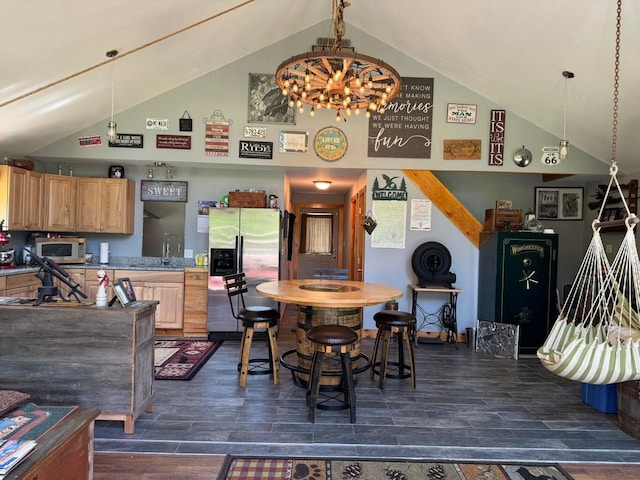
point(124, 291)
point(128, 288)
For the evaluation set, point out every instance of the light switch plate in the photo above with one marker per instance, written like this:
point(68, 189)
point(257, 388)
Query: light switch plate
point(188, 253)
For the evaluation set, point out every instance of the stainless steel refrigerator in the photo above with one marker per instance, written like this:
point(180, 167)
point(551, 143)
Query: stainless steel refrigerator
point(240, 240)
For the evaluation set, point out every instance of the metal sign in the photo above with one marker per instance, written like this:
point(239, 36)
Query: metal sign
point(128, 140)
point(253, 149)
point(161, 191)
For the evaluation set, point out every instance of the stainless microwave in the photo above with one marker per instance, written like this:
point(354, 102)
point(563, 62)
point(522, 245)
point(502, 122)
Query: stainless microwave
point(61, 249)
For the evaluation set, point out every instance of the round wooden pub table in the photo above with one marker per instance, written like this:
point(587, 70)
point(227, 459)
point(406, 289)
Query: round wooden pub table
point(326, 302)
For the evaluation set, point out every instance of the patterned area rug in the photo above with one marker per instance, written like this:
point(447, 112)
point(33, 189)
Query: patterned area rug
point(242, 468)
point(181, 359)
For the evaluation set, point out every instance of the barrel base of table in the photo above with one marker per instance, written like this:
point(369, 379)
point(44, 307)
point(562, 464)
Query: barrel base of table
point(309, 317)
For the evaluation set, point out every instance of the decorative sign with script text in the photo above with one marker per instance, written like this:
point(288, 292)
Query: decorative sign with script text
point(404, 129)
point(462, 149)
point(177, 142)
point(496, 137)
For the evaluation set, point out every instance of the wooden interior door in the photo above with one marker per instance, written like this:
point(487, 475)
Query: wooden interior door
point(306, 259)
point(358, 204)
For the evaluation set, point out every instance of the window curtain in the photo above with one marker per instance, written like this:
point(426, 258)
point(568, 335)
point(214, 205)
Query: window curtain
point(318, 235)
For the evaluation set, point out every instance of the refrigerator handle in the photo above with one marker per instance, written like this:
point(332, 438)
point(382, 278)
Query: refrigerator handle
point(240, 252)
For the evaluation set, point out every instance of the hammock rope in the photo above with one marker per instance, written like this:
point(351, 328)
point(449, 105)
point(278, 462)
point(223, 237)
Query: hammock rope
point(596, 337)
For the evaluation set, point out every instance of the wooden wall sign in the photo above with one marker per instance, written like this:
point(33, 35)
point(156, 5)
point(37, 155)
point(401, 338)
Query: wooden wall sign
point(462, 149)
point(496, 137)
point(404, 129)
point(176, 142)
point(161, 191)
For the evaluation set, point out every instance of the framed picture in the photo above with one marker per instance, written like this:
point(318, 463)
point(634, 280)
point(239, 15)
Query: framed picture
point(266, 102)
point(122, 295)
point(116, 171)
point(294, 142)
point(559, 203)
point(126, 285)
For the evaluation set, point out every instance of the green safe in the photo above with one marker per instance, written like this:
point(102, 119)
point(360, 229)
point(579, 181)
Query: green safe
point(518, 284)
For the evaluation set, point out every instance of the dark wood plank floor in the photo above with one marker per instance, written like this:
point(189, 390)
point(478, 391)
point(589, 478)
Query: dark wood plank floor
point(466, 406)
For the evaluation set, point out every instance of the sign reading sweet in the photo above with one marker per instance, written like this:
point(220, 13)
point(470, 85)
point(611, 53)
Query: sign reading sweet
point(161, 191)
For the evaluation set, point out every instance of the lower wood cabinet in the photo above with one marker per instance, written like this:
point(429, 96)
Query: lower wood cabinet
point(165, 287)
point(22, 285)
point(195, 302)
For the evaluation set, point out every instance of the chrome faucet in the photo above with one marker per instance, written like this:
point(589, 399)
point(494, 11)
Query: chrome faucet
point(166, 246)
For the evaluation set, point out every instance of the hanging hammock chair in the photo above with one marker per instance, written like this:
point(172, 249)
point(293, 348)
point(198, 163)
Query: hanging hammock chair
point(596, 337)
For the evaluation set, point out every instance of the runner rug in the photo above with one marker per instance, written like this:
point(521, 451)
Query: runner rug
point(181, 359)
point(245, 468)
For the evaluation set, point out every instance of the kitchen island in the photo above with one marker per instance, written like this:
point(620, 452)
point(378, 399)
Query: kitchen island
point(65, 353)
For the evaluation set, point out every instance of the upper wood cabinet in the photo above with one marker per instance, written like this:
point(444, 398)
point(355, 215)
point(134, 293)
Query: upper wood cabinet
point(105, 205)
point(21, 198)
point(60, 203)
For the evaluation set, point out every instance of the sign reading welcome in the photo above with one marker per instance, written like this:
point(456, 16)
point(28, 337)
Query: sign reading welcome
point(404, 129)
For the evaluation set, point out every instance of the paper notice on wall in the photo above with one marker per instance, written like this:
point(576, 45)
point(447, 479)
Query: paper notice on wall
point(203, 215)
point(391, 216)
point(420, 214)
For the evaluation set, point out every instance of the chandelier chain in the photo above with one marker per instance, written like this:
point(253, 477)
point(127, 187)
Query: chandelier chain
point(616, 80)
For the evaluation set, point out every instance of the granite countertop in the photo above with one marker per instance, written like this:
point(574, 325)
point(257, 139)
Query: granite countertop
point(176, 264)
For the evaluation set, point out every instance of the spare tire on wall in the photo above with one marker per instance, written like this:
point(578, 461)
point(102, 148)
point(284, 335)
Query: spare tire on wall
point(431, 262)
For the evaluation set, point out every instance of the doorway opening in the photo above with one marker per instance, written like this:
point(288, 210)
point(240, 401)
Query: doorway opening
point(318, 238)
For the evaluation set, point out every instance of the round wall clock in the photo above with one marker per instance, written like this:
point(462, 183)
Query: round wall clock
point(330, 144)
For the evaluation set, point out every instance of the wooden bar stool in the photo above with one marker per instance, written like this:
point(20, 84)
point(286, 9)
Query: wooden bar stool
point(252, 318)
point(336, 340)
point(401, 326)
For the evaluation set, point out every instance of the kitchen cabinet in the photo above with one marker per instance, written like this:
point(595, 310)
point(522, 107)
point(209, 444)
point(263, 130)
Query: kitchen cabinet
point(75, 275)
point(517, 284)
point(59, 203)
point(164, 286)
point(105, 205)
point(22, 285)
point(91, 284)
point(21, 198)
point(195, 302)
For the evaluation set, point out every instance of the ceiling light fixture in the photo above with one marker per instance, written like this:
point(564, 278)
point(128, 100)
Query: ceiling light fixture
point(322, 184)
point(564, 143)
point(334, 76)
point(112, 127)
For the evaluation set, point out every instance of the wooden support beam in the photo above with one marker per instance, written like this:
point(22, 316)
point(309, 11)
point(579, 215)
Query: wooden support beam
point(447, 203)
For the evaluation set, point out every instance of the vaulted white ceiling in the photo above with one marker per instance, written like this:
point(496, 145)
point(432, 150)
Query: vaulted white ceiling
point(511, 51)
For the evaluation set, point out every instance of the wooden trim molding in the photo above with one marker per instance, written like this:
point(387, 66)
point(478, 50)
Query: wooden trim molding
point(447, 203)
